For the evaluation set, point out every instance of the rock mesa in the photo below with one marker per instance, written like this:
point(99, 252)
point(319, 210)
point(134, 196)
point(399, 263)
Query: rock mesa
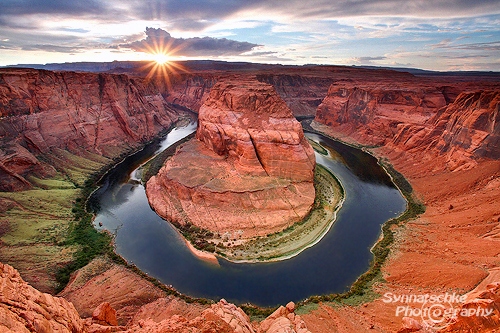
point(249, 172)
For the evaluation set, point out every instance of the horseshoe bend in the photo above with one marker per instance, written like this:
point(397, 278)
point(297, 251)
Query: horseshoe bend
point(248, 173)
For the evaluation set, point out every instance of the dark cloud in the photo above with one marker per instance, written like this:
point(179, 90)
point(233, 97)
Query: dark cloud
point(193, 14)
point(158, 40)
point(73, 7)
point(263, 53)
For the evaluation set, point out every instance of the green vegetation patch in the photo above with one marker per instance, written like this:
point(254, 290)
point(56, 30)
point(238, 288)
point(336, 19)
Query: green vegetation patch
point(317, 147)
point(51, 183)
point(35, 229)
point(37, 215)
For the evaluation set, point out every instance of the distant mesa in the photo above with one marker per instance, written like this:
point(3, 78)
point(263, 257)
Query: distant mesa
point(249, 171)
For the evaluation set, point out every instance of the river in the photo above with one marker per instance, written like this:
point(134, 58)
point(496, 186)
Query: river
point(331, 266)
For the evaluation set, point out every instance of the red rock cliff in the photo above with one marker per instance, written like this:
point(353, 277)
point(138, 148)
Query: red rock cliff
point(101, 113)
point(416, 118)
point(463, 131)
point(372, 111)
point(251, 123)
point(248, 173)
point(25, 309)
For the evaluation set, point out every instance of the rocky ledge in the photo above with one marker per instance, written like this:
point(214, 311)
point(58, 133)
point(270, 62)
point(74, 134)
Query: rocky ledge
point(249, 171)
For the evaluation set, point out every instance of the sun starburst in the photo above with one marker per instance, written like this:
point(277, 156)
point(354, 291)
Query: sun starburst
point(161, 58)
point(162, 67)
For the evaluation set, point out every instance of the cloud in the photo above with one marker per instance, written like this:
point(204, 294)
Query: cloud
point(217, 9)
point(195, 15)
point(74, 7)
point(160, 41)
point(366, 60)
point(489, 46)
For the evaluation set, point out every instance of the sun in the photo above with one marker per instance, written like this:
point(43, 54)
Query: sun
point(161, 58)
point(162, 64)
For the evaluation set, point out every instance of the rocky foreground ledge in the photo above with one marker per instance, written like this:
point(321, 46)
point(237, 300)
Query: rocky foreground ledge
point(24, 309)
point(104, 304)
point(248, 173)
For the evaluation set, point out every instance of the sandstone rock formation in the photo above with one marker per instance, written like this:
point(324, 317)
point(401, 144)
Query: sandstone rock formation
point(224, 317)
point(248, 121)
point(25, 309)
point(465, 130)
point(79, 112)
point(372, 111)
point(104, 314)
point(416, 119)
point(249, 172)
point(481, 314)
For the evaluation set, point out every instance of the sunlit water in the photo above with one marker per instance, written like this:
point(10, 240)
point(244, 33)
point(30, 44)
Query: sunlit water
point(332, 265)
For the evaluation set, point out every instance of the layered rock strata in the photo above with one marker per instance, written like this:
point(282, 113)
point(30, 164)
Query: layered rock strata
point(416, 119)
point(464, 131)
point(372, 111)
point(42, 111)
point(249, 172)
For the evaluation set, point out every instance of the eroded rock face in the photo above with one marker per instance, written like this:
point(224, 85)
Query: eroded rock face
point(248, 121)
point(248, 173)
point(463, 131)
point(25, 309)
point(372, 112)
point(42, 111)
point(417, 119)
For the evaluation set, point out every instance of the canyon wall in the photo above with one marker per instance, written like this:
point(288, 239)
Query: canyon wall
point(249, 172)
point(416, 118)
point(373, 111)
point(43, 111)
point(470, 124)
point(302, 93)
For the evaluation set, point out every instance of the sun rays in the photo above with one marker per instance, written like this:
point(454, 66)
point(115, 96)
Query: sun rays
point(162, 65)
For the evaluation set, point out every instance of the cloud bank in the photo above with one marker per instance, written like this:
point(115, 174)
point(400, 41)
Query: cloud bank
point(160, 41)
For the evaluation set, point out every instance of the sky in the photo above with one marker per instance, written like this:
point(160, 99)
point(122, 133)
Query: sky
point(428, 34)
